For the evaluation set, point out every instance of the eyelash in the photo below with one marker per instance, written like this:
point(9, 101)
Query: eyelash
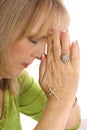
point(35, 42)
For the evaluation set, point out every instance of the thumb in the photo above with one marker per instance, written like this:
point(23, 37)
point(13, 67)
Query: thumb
point(42, 68)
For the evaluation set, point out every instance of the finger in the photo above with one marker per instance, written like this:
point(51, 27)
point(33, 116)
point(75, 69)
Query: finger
point(49, 50)
point(56, 44)
point(65, 42)
point(75, 55)
point(42, 67)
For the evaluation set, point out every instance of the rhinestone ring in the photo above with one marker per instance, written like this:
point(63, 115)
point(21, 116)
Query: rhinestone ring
point(65, 58)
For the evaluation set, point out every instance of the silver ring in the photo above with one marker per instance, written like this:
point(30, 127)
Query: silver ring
point(65, 58)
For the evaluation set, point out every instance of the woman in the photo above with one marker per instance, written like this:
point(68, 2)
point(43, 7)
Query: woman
point(26, 27)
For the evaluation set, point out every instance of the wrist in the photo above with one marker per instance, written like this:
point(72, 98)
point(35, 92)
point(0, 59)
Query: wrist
point(52, 93)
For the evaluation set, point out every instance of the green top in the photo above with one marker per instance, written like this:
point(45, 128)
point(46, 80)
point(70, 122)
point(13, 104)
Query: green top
point(31, 101)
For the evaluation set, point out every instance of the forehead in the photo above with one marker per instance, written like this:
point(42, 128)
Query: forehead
point(43, 20)
point(42, 27)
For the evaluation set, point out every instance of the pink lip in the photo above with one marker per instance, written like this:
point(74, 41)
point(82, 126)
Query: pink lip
point(25, 65)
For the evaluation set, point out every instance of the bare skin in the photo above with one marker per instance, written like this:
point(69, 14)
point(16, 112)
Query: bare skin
point(64, 77)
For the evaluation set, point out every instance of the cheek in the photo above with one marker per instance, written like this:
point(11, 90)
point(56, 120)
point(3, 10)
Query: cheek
point(19, 50)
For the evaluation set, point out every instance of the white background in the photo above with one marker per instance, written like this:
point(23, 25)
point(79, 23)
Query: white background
point(78, 28)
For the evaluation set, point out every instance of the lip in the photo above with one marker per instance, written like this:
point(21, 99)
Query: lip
point(25, 65)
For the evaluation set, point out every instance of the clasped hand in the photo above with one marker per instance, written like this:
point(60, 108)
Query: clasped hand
point(63, 77)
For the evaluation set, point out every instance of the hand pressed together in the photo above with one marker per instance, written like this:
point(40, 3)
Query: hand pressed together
point(63, 77)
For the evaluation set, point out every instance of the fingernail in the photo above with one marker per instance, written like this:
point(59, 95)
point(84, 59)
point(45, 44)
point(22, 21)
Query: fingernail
point(43, 55)
point(74, 43)
point(64, 30)
point(45, 51)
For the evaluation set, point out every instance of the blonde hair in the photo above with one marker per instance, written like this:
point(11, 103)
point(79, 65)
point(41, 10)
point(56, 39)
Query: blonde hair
point(19, 17)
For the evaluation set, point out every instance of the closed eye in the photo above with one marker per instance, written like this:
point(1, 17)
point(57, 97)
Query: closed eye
point(35, 42)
